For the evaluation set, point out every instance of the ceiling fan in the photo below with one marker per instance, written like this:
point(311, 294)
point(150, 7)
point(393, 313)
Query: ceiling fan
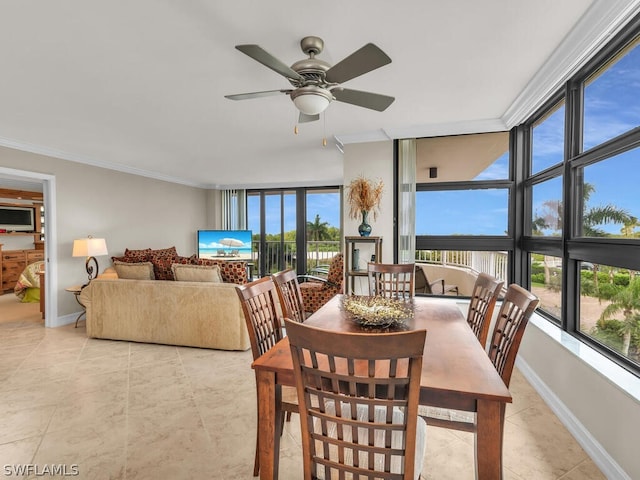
point(316, 83)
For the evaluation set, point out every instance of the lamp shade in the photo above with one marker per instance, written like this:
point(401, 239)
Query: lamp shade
point(89, 247)
point(311, 100)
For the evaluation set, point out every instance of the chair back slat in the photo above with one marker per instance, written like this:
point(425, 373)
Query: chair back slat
point(483, 300)
point(358, 395)
point(391, 280)
point(517, 307)
point(289, 294)
point(261, 312)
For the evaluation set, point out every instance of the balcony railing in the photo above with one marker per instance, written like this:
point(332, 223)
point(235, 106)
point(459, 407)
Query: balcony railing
point(492, 263)
point(319, 253)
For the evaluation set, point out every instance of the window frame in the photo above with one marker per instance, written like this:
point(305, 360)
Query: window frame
point(572, 248)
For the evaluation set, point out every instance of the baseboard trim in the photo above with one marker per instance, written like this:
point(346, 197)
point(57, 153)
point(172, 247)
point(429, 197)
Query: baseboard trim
point(64, 320)
point(591, 446)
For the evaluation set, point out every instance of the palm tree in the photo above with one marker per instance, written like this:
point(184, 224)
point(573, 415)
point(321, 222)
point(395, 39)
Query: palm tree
point(599, 215)
point(317, 230)
point(626, 301)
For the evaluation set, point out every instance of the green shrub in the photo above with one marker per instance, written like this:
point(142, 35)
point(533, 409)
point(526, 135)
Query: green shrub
point(537, 268)
point(537, 278)
point(621, 279)
point(587, 287)
point(607, 290)
point(586, 275)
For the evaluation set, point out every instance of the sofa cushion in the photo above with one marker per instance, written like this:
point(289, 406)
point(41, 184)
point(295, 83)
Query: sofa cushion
point(134, 271)
point(196, 273)
point(230, 271)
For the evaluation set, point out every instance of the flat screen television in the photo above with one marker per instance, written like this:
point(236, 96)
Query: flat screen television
point(225, 244)
point(17, 219)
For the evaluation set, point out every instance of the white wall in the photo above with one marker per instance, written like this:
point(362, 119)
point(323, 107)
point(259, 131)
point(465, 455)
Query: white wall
point(373, 161)
point(586, 392)
point(129, 211)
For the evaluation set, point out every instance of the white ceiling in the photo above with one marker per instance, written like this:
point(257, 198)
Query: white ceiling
point(139, 86)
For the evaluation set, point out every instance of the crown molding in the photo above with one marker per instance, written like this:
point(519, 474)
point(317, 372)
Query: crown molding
point(51, 152)
point(602, 20)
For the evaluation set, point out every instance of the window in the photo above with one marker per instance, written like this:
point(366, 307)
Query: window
point(323, 228)
point(612, 98)
point(462, 212)
point(546, 282)
point(547, 212)
point(583, 238)
point(463, 221)
point(610, 308)
point(609, 197)
point(279, 220)
point(548, 139)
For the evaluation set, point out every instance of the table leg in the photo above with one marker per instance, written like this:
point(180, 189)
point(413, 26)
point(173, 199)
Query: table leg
point(269, 423)
point(488, 440)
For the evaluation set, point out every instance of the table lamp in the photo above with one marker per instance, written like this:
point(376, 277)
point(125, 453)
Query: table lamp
point(90, 248)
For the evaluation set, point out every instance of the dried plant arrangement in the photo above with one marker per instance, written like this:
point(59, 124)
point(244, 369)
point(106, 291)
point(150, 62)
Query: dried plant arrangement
point(364, 196)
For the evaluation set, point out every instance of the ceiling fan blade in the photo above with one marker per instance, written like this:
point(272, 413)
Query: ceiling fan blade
point(359, 62)
point(246, 96)
point(304, 118)
point(374, 101)
point(260, 55)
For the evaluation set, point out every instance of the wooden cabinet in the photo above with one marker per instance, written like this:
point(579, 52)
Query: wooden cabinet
point(13, 262)
point(353, 260)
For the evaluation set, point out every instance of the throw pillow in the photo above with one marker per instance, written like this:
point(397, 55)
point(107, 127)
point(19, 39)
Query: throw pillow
point(231, 272)
point(196, 273)
point(170, 252)
point(137, 255)
point(134, 271)
point(162, 267)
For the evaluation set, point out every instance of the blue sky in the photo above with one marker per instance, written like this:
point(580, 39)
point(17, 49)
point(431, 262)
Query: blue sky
point(612, 107)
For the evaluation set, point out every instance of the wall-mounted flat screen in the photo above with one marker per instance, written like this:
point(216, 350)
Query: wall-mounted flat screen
point(224, 244)
point(17, 219)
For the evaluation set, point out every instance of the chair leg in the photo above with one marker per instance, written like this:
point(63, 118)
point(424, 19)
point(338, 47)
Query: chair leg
point(256, 460)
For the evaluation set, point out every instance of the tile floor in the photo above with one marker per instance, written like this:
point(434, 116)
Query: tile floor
point(122, 410)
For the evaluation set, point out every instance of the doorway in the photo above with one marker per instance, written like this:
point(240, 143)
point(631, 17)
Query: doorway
point(16, 177)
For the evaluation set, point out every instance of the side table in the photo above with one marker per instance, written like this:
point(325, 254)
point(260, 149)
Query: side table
point(76, 290)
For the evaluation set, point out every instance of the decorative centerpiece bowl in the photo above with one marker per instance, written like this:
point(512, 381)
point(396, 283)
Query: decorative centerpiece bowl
point(377, 311)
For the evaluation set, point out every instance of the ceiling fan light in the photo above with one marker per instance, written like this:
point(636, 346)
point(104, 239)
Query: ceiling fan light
point(311, 100)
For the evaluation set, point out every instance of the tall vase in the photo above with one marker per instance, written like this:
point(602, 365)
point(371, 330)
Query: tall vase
point(364, 229)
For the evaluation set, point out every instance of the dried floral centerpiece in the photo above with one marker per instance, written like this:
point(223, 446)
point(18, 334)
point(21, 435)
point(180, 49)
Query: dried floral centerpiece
point(377, 311)
point(364, 196)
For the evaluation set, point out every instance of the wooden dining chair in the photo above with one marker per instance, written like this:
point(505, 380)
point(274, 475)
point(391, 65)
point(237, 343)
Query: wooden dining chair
point(516, 310)
point(263, 318)
point(391, 280)
point(289, 294)
point(435, 287)
point(483, 300)
point(358, 395)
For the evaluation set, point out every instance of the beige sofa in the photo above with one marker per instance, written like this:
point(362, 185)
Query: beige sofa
point(193, 314)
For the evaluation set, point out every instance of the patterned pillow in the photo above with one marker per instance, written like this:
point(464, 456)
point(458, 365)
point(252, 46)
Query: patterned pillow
point(231, 272)
point(192, 260)
point(162, 267)
point(162, 259)
point(137, 255)
point(164, 252)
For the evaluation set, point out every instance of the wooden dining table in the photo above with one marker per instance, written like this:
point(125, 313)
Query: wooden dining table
point(456, 373)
